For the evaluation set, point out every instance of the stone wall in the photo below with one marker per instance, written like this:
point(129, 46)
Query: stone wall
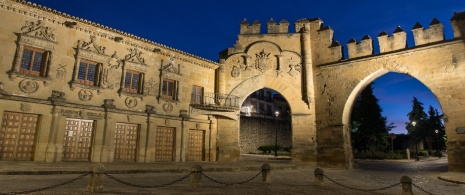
point(257, 132)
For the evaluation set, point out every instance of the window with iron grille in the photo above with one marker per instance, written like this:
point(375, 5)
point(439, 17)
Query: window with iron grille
point(133, 81)
point(34, 62)
point(88, 73)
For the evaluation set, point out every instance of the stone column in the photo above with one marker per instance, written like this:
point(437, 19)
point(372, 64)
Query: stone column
point(108, 147)
point(307, 64)
point(221, 78)
point(149, 135)
point(51, 150)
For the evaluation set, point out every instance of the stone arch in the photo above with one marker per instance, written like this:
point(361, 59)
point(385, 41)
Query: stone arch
point(272, 46)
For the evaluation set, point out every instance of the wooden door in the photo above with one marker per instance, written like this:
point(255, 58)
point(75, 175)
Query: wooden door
point(18, 136)
point(125, 142)
point(77, 142)
point(164, 144)
point(196, 145)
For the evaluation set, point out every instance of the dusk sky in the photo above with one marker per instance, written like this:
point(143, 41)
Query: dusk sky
point(206, 27)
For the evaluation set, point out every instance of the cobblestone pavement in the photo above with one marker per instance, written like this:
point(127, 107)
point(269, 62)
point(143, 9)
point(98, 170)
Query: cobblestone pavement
point(369, 175)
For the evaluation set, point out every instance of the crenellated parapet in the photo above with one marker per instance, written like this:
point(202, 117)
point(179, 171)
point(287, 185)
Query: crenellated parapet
point(274, 28)
point(250, 29)
point(364, 48)
point(397, 41)
point(458, 24)
point(434, 33)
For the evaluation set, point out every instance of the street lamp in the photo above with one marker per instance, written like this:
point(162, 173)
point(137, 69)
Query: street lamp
point(437, 139)
point(276, 135)
point(416, 141)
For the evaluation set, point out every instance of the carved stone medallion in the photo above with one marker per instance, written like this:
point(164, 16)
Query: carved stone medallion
point(167, 107)
point(85, 95)
point(235, 71)
point(27, 86)
point(131, 102)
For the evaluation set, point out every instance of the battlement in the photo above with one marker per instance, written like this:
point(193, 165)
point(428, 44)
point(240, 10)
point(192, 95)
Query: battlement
point(458, 24)
point(397, 41)
point(364, 48)
point(434, 33)
point(273, 28)
point(250, 29)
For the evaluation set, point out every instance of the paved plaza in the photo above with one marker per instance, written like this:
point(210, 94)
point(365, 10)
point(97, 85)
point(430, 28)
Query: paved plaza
point(286, 178)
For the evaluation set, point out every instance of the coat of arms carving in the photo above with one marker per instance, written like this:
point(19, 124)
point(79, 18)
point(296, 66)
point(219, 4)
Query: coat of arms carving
point(262, 62)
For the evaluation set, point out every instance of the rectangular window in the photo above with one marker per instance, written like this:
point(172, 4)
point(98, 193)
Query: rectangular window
point(261, 95)
point(169, 89)
point(133, 81)
point(33, 62)
point(87, 73)
point(197, 95)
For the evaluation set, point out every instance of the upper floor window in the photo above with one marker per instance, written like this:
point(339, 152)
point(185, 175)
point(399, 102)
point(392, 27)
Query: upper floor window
point(133, 81)
point(88, 73)
point(33, 62)
point(197, 95)
point(169, 89)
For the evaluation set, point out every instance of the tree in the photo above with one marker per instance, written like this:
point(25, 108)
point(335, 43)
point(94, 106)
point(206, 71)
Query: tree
point(368, 125)
point(434, 122)
point(418, 131)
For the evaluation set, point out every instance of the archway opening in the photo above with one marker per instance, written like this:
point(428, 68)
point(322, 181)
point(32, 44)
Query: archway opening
point(396, 117)
point(265, 124)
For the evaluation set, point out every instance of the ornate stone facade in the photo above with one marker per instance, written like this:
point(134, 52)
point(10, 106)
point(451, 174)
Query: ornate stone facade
point(113, 88)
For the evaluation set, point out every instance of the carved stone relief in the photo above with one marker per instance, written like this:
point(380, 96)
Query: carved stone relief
point(85, 95)
point(170, 67)
point(294, 69)
point(130, 118)
point(197, 126)
point(37, 29)
point(111, 74)
point(262, 62)
point(131, 102)
point(92, 46)
point(28, 86)
point(135, 56)
point(61, 72)
point(150, 87)
point(25, 107)
point(167, 107)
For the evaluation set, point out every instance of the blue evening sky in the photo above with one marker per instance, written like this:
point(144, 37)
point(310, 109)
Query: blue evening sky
point(206, 27)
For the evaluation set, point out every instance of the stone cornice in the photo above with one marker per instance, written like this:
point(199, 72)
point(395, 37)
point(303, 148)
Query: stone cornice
point(53, 16)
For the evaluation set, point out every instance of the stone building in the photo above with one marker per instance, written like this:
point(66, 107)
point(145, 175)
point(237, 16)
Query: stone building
point(74, 90)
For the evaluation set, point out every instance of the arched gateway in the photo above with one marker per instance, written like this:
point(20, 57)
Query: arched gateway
point(306, 67)
point(73, 90)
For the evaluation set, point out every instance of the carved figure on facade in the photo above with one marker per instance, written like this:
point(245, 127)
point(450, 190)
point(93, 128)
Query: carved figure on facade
point(167, 107)
point(85, 95)
point(235, 72)
point(28, 86)
point(170, 67)
point(109, 103)
point(37, 29)
point(111, 74)
point(135, 56)
point(244, 63)
point(57, 94)
point(92, 45)
point(262, 62)
point(131, 102)
point(150, 87)
point(25, 107)
point(61, 72)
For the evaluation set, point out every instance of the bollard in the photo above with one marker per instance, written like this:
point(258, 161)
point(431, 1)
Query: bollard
point(318, 176)
point(196, 175)
point(95, 183)
point(406, 185)
point(266, 169)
